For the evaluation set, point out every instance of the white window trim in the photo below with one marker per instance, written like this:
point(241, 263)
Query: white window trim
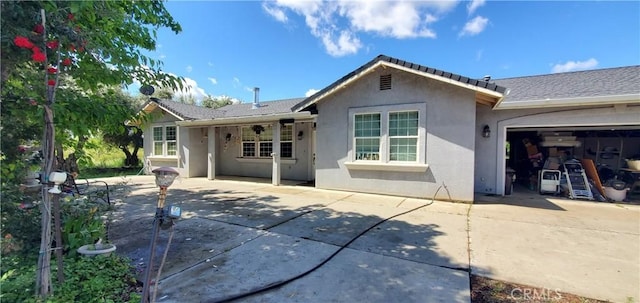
point(384, 164)
point(257, 145)
point(164, 142)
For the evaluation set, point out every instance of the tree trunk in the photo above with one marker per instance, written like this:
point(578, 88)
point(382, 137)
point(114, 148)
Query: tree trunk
point(43, 273)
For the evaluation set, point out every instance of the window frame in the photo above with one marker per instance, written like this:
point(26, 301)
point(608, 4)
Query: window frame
point(260, 144)
point(384, 162)
point(164, 142)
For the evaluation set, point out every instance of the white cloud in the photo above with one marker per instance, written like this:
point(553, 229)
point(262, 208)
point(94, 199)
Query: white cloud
point(338, 23)
point(310, 92)
point(210, 64)
point(474, 26)
point(275, 12)
point(236, 82)
point(189, 68)
point(570, 66)
point(214, 81)
point(190, 89)
point(473, 5)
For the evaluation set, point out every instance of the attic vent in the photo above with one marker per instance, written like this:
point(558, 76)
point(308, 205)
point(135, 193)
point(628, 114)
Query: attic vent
point(385, 82)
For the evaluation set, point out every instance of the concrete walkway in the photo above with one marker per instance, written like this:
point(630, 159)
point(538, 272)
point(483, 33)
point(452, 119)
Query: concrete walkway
point(235, 237)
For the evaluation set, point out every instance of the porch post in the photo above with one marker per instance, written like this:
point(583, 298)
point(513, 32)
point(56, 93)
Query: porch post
point(211, 153)
point(275, 175)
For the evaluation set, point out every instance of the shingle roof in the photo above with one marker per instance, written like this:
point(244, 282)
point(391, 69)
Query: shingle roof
point(266, 108)
point(195, 112)
point(187, 111)
point(421, 68)
point(591, 83)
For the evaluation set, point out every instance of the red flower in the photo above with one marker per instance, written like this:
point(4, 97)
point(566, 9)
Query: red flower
point(39, 29)
point(22, 42)
point(66, 62)
point(52, 44)
point(70, 16)
point(38, 56)
point(33, 102)
point(52, 70)
point(51, 82)
point(72, 47)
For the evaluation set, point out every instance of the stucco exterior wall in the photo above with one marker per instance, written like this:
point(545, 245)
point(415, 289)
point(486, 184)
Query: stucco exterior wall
point(489, 164)
point(449, 138)
point(198, 152)
point(231, 163)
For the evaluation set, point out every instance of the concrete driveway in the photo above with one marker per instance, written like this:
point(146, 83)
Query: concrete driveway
point(585, 248)
point(235, 237)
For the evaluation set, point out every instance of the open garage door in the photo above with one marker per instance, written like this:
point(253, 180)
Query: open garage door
point(578, 162)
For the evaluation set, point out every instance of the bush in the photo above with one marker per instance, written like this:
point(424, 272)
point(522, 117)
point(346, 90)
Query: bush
point(18, 279)
point(20, 222)
point(97, 279)
point(81, 223)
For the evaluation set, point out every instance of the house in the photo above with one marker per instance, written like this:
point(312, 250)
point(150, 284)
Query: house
point(400, 128)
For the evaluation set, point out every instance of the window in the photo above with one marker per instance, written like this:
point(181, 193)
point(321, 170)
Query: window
point(286, 141)
point(391, 138)
point(248, 142)
point(403, 136)
point(165, 141)
point(367, 136)
point(263, 142)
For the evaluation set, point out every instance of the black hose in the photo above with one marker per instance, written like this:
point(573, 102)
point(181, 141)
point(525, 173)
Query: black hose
point(280, 283)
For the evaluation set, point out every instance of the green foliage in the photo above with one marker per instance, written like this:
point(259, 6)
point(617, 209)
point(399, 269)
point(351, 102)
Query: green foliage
point(20, 224)
point(17, 279)
point(108, 37)
point(217, 102)
point(97, 279)
point(81, 224)
point(87, 279)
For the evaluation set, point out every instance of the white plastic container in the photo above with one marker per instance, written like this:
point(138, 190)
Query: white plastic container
point(615, 194)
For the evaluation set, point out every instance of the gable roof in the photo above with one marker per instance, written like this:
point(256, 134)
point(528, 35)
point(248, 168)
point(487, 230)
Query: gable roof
point(486, 92)
point(181, 111)
point(592, 87)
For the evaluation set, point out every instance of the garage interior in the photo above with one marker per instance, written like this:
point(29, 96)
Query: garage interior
point(584, 163)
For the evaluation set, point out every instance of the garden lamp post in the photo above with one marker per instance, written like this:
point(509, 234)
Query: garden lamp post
point(164, 179)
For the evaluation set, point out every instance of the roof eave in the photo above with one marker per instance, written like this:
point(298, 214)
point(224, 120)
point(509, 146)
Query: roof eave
point(569, 102)
point(247, 119)
point(153, 105)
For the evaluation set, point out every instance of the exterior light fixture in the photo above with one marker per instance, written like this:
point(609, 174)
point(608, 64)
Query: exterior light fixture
point(300, 135)
point(486, 131)
point(57, 178)
point(164, 178)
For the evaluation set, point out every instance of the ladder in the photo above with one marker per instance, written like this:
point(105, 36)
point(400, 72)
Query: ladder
point(577, 180)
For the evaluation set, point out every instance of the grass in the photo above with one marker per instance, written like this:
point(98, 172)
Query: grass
point(104, 161)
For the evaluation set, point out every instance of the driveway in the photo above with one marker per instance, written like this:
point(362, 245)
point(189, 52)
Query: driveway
point(236, 237)
point(585, 248)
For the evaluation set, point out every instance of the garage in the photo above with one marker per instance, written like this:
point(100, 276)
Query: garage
point(593, 163)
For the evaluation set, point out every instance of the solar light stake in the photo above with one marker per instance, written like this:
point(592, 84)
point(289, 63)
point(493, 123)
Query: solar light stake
point(164, 179)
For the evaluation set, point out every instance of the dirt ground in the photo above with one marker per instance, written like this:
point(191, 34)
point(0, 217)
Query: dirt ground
point(485, 290)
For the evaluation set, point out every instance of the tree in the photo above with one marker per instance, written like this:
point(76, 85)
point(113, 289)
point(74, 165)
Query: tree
point(218, 101)
point(95, 44)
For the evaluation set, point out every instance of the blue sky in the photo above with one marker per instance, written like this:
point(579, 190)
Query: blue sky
point(292, 48)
